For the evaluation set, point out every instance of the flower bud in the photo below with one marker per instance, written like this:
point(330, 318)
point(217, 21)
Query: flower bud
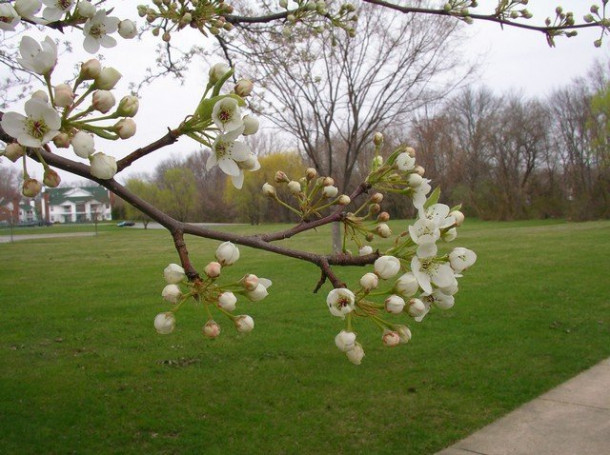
point(218, 71)
point(244, 87)
point(390, 339)
point(281, 177)
point(85, 9)
point(64, 96)
point(414, 180)
point(345, 340)
point(227, 253)
point(330, 191)
point(250, 282)
point(376, 198)
point(165, 323)
point(328, 181)
point(211, 329)
point(269, 190)
point(251, 125)
point(311, 173)
point(107, 79)
point(458, 216)
point(417, 308)
point(394, 304)
point(102, 166)
point(212, 270)
point(294, 187)
point(366, 249)
point(31, 187)
point(343, 199)
point(405, 162)
point(420, 170)
point(383, 217)
point(51, 178)
point(406, 285)
point(244, 323)
point(127, 29)
point(386, 267)
point(369, 281)
point(404, 333)
point(40, 95)
point(227, 301)
point(83, 144)
point(128, 106)
point(355, 354)
point(173, 274)
point(103, 101)
point(378, 139)
point(125, 128)
point(449, 235)
point(171, 293)
point(383, 230)
point(258, 293)
point(90, 69)
point(62, 140)
point(14, 151)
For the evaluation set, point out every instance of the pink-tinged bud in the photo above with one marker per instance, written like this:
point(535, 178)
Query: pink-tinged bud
point(244, 323)
point(328, 181)
point(311, 173)
point(378, 139)
point(406, 285)
point(173, 274)
point(218, 71)
point(345, 340)
point(383, 230)
point(383, 217)
point(62, 140)
point(125, 128)
point(244, 87)
point(171, 293)
point(227, 253)
point(269, 190)
point(386, 267)
point(212, 269)
point(227, 301)
point(390, 339)
point(394, 304)
point(281, 177)
point(330, 191)
point(14, 151)
point(83, 144)
point(102, 166)
point(211, 329)
point(165, 323)
point(294, 187)
point(458, 216)
point(343, 199)
point(31, 188)
point(417, 308)
point(103, 101)
point(128, 106)
point(356, 354)
point(369, 281)
point(410, 151)
point(250, 282)
point(51, 178)
point(64, 96)
point(107, 79)
point(91, 69)
point(376, 198)
point(127, 29)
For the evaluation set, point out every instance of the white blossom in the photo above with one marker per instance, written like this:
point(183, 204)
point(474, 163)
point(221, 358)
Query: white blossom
point(243, 323)
point(461, 258)
point(127, 29)
point(171, 293)
point(340, 301)
point(386, 267)
point(417, 308)
point(405, 162)
point(218, 71)
point(103, 101)
point(83, 144)
point(251, 125)
point(394, 304)
point(430, 270)
point(27, 9)
point(227, 253)
point(390, 338)
point(102, 166)
point(226, 115)
point(260, 291)
point(40, 124)
point(364, 250)
point(424, 231)
point(55, 9)
point(38, 57)
point(226, 152)
point(173, 274)
point(345, 340)
point(107, 78)
point(369, 281)
point(86, 8)
point(165, 323)
point(355, 354)
point(227, 301)
point(406, 285)
point(9, 18)
point(97, 30)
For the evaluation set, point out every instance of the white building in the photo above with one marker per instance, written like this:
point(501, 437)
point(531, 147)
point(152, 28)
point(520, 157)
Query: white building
point(76, 205)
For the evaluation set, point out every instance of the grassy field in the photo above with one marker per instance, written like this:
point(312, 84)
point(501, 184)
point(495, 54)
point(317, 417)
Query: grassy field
point(84, 372)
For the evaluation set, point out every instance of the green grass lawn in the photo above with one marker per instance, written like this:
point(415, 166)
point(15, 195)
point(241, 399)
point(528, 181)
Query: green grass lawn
point(83, 370)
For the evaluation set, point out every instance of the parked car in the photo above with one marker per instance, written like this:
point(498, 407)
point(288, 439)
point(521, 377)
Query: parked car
point(125, 223)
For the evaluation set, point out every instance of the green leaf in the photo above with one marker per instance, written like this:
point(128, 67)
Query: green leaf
point(433, 198)
point(206, 106)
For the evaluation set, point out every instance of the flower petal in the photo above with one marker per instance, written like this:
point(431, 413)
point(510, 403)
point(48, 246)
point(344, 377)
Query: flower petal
point(229, 167)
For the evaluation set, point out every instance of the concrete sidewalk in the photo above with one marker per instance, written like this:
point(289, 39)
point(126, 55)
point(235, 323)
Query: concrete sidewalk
point(572, 419)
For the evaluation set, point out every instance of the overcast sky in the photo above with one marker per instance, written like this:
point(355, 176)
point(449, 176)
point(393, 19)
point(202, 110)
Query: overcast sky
point(512, 60)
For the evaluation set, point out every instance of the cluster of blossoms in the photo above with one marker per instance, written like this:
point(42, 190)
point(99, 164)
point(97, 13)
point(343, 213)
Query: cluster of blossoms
point(316, 14)
point(211, 294)
point(218, 123)
point(97, 26)
point(62, 114)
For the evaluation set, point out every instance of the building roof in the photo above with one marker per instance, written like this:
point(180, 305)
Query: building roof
point(79, 194)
